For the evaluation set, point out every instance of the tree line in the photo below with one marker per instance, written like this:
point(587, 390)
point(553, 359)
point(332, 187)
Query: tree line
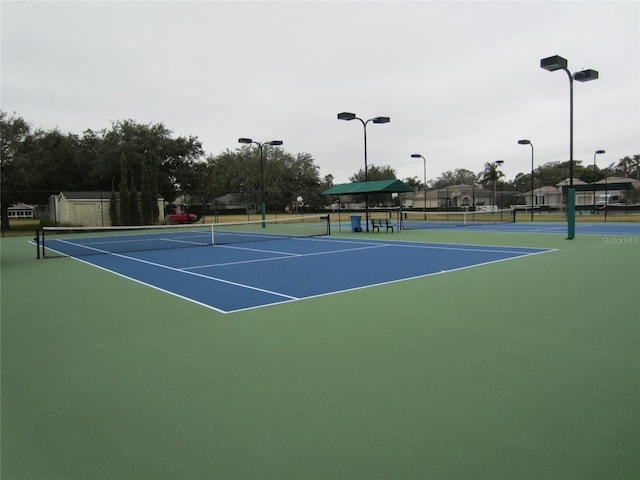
point(136, 161)
point(550, 173)
point(37, 163)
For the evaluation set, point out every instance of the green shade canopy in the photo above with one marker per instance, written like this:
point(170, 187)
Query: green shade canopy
point(378, 186)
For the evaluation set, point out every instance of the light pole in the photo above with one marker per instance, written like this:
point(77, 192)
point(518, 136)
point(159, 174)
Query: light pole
point(424, 161)
point(552, 64)
point(352, 116)
point(260, 145)
point(528, 142)
point(597, 152)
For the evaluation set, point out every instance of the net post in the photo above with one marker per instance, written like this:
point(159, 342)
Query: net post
point(37, 239)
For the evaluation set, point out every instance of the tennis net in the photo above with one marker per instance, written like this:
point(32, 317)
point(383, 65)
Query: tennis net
point(82, 241)
point(410, 220)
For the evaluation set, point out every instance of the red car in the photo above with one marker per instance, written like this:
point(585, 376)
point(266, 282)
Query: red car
point(175, 215)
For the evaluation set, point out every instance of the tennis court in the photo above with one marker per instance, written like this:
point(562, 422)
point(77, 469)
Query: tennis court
point(427, 354)
point(233, 277)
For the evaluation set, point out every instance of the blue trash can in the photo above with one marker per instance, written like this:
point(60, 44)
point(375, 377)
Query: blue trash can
point(355, 223)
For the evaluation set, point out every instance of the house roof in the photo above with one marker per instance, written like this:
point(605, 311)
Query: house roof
point(104, 195)
point(20, 205)
point(85, 195)
point(378, 186)
point(576, 181)
point(612, 180)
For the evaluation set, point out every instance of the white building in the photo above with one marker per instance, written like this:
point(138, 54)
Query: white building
point(83, 209)
point(21, 210)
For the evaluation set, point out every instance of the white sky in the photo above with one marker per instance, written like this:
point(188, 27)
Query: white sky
point(460, 80)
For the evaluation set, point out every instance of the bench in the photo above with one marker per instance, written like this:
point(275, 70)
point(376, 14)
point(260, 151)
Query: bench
point(378, 223)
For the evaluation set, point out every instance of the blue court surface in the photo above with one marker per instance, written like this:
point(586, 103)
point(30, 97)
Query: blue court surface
point(231, 278)
point(582, 228)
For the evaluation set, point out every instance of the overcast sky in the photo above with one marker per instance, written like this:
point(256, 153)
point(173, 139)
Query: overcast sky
point(461, 81)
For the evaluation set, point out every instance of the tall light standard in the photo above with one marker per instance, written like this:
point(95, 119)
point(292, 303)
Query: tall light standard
point(597, 152)
point(263, 207)
point(352, 116)
point(552, 64)
point(528, 142)
point(424, 161)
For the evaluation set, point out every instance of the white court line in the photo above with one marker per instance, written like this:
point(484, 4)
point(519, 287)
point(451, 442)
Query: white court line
point(155, 287)
point(288, 256)
point(477, 248)
point(277, 252)
point(389, 282)
point(79, 245)
point(546, 229)
point(221, 280)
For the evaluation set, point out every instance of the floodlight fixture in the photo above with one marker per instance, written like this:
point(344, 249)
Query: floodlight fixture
point(381, 120)
point(554, 63)
point(245, 140)
point(586, 75)
point(346, 116)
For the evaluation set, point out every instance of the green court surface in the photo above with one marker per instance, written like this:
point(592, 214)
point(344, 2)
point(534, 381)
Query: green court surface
point(521, 369)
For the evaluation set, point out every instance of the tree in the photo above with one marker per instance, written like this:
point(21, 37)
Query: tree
point(490, 174)
point(286, 177)
point(113, 205)
point(174, 157)
point(627, 167)
point(146, 194)
point(591, 174)
point(14, 133)
point(134, 210)
point(328, 181)
point(374, 173)
point(459, 176)
point(125, 206)
point(153, 173)
point(236, 172)
point(415, 183)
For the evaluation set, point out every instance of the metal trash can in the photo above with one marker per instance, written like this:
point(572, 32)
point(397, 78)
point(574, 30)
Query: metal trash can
point(356, 223)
